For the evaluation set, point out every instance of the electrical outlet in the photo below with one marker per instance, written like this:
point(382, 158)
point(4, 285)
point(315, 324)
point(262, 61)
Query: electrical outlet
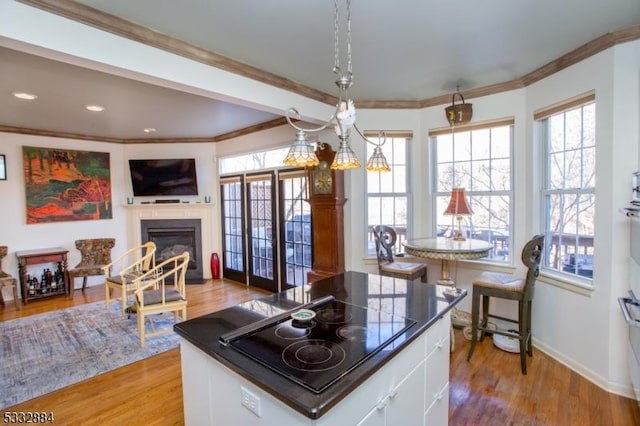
point(250, 401)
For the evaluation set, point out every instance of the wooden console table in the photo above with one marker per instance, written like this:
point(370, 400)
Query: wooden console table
point(41, 256)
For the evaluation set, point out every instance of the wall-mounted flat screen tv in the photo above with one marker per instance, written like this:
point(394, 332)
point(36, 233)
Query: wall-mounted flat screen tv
point(175, 176)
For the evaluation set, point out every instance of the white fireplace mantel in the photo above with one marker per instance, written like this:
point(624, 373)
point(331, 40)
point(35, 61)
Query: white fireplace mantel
point(202, 211)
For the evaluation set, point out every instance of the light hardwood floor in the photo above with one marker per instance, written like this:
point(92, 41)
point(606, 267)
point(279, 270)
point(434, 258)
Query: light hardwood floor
point(489, 390)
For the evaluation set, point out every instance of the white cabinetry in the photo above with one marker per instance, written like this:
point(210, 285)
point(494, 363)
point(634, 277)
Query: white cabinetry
point(411, 389)
point(437, 368)
point(404, 405)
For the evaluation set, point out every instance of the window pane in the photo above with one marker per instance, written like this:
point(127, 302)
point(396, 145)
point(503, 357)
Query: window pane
point(481, 163)
point(444, 177)
point(387, 197)
point(481, 145)
point(481, 176)
point(462, 146)
point(569, 190)
point(501, 142)
point(501, 174)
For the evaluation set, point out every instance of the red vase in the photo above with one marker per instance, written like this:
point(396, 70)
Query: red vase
point(215, 266)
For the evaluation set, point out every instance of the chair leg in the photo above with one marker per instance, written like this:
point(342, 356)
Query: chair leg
point(522, 331)
point(107, 293)
point(124, 300)
point(485, 316)
point(529, 335)
point(84, 283)
point(15, 295)
point(475, 314)
point(141, 327)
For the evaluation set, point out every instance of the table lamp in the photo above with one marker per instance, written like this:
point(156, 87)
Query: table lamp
point(458, 207)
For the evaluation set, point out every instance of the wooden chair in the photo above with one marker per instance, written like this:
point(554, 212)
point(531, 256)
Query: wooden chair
point(131, 264)
point(7, 280)
point(95, 253)
point(161, 290)
point(385, 237)
point(505, 286)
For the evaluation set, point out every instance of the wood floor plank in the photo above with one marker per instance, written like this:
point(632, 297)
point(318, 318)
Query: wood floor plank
point(489, 390)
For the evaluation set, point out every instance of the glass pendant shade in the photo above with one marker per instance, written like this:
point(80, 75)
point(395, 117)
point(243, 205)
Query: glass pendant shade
point(377, 162)
point(345, 158)
point(301, 153)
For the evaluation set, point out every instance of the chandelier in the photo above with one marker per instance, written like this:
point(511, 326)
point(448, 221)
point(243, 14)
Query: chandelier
point(302, 153)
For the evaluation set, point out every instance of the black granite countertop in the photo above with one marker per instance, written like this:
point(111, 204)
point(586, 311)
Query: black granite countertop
point(424, 303)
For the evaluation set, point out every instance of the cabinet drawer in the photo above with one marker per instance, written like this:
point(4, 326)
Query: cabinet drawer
point(437, 332)
point(43, 259)
point(376, 388)
point(437, 369)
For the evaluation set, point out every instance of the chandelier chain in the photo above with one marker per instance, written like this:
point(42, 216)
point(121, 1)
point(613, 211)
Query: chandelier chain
point(336, 40)
point(349, 68)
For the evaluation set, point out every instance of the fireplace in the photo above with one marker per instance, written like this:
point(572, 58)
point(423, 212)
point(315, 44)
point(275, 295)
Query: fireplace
point(174, 236)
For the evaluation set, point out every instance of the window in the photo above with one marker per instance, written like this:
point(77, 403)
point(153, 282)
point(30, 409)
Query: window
point(387, 192)
point(270, 159)
point(477, 158)
point(567, 136)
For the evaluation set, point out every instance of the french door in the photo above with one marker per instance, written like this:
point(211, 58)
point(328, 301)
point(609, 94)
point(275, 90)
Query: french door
point(254, 251)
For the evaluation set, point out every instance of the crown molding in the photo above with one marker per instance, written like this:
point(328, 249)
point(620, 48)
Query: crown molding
point(230, 135)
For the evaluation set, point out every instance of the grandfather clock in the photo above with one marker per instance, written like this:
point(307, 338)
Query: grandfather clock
point(326, 198)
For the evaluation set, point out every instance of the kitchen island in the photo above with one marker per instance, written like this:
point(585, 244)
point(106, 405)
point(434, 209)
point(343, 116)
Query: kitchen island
point(399, 329)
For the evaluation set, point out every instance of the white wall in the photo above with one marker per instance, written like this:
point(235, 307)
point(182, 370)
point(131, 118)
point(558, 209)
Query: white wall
point(18, 235)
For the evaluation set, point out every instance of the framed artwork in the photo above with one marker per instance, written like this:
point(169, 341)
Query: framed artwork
point(66, 185)
point(3, 167)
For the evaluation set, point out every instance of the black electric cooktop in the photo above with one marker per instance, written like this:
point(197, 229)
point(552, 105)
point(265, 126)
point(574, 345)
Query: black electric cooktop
point(317, 352)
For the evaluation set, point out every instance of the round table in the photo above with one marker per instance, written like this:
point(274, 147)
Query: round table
point(446, 249)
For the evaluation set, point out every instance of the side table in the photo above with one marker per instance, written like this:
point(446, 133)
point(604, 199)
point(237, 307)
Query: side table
point(447, 249)
point(49, 286)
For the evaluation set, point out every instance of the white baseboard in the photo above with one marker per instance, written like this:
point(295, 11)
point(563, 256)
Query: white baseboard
point(621, 389)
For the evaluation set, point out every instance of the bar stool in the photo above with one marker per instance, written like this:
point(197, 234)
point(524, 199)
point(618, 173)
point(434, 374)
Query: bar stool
point(505, 286)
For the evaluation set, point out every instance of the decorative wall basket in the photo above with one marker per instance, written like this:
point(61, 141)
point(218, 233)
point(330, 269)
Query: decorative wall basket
point(458, 113)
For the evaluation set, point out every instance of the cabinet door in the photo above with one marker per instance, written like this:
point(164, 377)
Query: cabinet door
point(406, 402)
point(438, 413)
point(375, 417)
point(437, 370)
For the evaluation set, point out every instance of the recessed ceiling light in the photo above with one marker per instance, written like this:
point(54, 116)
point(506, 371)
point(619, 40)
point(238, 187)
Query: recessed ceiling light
point(94, 108)
point(149, 130)
point(25, 95)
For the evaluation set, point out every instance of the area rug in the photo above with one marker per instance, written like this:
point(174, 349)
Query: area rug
point(45, 352)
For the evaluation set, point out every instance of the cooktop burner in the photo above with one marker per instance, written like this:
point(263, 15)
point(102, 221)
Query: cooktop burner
point(318, 352)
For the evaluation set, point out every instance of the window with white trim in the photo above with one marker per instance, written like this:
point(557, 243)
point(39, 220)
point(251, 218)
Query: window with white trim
point(477, 158)
point(388, 192)
point(568, 141)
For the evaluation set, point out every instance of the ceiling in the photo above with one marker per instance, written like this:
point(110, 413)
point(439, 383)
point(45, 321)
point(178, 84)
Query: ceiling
point(409, 51)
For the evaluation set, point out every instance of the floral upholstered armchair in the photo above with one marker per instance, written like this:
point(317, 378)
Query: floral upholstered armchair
point(96, 253)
